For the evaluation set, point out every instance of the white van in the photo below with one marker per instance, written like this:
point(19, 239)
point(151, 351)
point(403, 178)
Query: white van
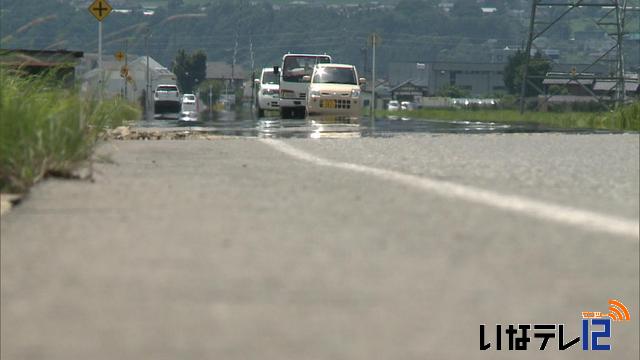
point(335, 90)
point(268, 91)
point(189, 103)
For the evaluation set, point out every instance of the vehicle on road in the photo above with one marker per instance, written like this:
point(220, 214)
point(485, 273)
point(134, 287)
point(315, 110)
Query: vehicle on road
point(293, 87)
point(188, 116)
point(189, 103)
point(407, 105)
point(334, 89)
point(166, 99)
point(473, 103)
point(268, 91)
point(393, 105)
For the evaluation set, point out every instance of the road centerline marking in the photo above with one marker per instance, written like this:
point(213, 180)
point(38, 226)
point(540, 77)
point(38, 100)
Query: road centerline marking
point(534, 208)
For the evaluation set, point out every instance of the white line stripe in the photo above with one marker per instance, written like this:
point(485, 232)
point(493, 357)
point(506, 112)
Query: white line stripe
point(534, 208)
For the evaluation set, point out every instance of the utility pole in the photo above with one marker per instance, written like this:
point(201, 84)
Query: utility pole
point(252, 57)
point(210, 98)
point(610, 17)
point(233, 64)
point(365, 60)
point(620, 87)
point(147, 95)
point(253, 72)
point(374, 42)
point(253, 88)
point(226, 94)
point(523, 86)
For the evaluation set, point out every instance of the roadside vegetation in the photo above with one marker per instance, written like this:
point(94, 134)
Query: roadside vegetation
point(46, 129)
point(626, 118)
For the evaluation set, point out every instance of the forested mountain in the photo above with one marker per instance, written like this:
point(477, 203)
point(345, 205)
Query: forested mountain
point(411, 30)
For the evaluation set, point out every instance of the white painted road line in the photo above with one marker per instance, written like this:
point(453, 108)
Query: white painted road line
point(535, 208)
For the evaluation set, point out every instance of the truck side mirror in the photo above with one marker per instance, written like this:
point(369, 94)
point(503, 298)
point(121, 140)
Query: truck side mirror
point(276, 69)
point(256, 81)
point(306, 78)
point(362, 80)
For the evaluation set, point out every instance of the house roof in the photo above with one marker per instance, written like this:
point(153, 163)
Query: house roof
point(39, 58)
point(408, 82)
point(569, 99)
point(609, 85)
point(460, 66)
point(566, 81)
point(222, 70)
point(139, 65)
point(154, 66)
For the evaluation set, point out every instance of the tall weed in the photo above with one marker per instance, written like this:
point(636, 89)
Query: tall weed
point(48, 129)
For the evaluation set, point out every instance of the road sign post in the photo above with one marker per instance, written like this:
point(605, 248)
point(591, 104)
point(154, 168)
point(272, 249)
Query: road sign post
point(375, 40)
point(126, 66)
point(100, 9)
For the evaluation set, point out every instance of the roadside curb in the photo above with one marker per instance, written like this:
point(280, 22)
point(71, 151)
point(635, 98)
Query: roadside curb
point(134, 133)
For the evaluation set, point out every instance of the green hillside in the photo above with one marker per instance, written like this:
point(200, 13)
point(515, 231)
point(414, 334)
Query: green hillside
point(411, 30)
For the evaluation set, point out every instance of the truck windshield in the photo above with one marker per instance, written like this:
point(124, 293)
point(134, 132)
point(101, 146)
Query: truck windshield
point(268, 77)
point(333, 75)
point(296, 67)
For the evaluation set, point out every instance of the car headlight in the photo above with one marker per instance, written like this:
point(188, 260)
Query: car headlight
point(315, 93)
point(355, 93)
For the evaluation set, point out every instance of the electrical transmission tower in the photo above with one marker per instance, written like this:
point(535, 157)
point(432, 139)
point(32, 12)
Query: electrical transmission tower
point(610, 18)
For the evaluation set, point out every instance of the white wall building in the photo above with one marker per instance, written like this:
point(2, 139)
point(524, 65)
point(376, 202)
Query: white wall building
point(114, 82)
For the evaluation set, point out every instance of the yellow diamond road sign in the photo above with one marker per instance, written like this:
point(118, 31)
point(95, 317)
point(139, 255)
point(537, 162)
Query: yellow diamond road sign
point(119, 56)
point(375, 39)
point(100, 9)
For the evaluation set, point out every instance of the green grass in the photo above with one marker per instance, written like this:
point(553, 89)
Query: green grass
point(48, 130)
point(625, 119)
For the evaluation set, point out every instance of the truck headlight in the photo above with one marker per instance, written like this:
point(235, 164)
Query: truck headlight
point(355, 93)
point(287, 94)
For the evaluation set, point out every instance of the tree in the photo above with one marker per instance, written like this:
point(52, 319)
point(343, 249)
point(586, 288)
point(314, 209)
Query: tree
point(452, 91)
point(466, 8)
point(538, 68)
point(189, 69)
point(198, 67)
point(173, 5)
point(215, 86)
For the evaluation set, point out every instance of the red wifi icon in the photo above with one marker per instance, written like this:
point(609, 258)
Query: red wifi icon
point(618, 312)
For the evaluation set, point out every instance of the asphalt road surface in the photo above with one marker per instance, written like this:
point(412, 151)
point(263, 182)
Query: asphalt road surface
point(370, 248)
